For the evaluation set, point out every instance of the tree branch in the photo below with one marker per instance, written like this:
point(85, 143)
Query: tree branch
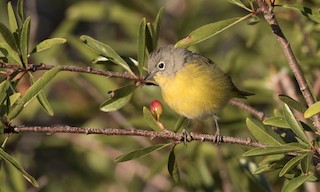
point(178, 137)
point(259, 114)
point(293, 63)
point(89, 70)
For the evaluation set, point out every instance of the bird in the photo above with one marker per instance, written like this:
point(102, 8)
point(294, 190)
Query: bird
point(192, 85)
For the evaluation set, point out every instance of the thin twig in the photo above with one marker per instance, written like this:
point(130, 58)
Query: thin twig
point(34, 67)
point(177, 137)
point(293, 63)
point(259, 114)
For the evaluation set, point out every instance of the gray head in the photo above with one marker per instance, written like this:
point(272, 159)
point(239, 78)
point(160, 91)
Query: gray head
point(167, 61)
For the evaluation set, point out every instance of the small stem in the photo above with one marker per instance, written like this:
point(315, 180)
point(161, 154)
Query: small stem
point(89, 70)
point(260, 115)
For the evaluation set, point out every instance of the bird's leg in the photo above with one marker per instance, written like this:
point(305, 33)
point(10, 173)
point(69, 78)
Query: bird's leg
point(217, 136)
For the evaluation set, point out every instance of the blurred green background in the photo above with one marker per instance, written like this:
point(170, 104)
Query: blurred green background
point(250, 54)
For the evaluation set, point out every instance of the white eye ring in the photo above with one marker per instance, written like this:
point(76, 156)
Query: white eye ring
point(161, 65)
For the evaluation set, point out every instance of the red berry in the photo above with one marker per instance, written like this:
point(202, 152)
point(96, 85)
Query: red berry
point(156, 108)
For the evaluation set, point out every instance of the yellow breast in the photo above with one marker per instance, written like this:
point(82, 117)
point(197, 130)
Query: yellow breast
point(195, 91)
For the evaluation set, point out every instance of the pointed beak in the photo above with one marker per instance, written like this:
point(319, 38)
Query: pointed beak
point(149, 79)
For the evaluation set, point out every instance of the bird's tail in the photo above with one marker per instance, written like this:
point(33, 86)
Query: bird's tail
point(242, 94)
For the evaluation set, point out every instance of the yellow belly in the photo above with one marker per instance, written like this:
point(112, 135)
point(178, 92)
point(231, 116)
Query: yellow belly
point(195, 91)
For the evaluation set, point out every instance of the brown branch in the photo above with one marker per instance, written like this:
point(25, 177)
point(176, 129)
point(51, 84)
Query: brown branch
point(89, 70)
point(259, 114)
point(178, 137)
point(293, 63)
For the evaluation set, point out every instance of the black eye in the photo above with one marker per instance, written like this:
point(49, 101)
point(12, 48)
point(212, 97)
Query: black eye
point(161, 65)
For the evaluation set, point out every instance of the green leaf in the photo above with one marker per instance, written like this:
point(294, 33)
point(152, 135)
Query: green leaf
point(280, 121)
point(314, 96)
point(208, 31)
point(149, 118)
point(11, 55)
point(253, 20)
point(291, 164)
point(120, 98)
point(13, 162)
point(106, 51)
point(173, 166)
point(272, 150)
point(48, 43)
point(182, 121)
point(312, 110)
point(8, 37)
point(12, 19)
point(14, 98)
point(138, 153)
point(24, 40)
point(277, 121)
point(271, 159)
point(297, 182)
point(292, 103)
point(307, 163)
point(265, 168)
point(295, 125)
point(21, 11)
point(149, 37)
point(240, 4)
point(142, 45)
point(307, 12)
point(42, 99)
point(4, 86)
point(262, 134)
point(156, 27)
point(33, 91)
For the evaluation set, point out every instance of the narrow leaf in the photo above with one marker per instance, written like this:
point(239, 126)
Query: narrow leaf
point(21, 11)
point(43, 99)
point(262, 134)
point(48, 43)
point(9, 54)
point(14, 98)
point(173, 166)
point(138, 153)
point(24, 40)
point(277, 121)
point(271, 159)
point(156, 27)
point(280, 121)
point(239, 3)
point(296, 182)
point(13, 162)
point(8, 37)
point(12, 18)
point(106, 51)
point(142, 45)
point(312, 110)
point(149, 37)
point(208, 31)
point(292, 103)
point(33, 91)
point(295, 125)
point(272, 150)
point(306, 163)
point(264, 169)
point(182, 121)
point(4, 86)
point(253, 20)
point(306, 11)
point(291, 164)
point(119, 98)
point(149, 118)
